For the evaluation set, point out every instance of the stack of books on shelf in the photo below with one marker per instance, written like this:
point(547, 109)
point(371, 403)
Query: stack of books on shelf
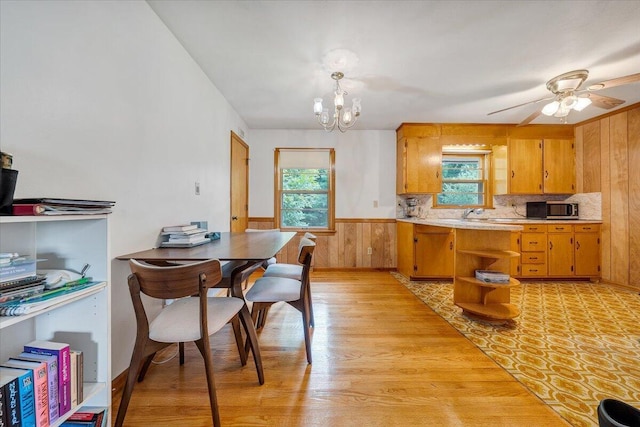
point(490, 276)
point(42, 384)
point(24, 289)
point(18, 278)
point(54, 206)
point(183, 236)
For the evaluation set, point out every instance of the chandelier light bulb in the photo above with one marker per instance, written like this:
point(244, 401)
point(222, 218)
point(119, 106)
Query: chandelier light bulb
point(339, 100)
point(346, 116)
point(324, 117)
point(317, 106)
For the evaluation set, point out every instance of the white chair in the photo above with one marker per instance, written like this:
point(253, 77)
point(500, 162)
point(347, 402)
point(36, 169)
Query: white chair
point(192, 316)
point(267, 291)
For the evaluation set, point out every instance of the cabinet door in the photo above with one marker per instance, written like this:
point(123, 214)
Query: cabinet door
point(405, 243)
point(434, 252)
point(516, 261)
point(559, 166)
point(560, 254)
point(587, 253)
point(525, 166)
point(422, 163)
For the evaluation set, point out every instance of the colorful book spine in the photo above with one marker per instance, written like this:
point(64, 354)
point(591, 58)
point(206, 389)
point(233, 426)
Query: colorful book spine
point(10, 389)
point(40, 386)
point(61, 351)
point(3, 409)
point(52, 380)
point(25, 395)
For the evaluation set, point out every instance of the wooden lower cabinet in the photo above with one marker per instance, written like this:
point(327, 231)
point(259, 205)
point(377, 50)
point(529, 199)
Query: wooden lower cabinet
point(559, 251)
point(425, 251)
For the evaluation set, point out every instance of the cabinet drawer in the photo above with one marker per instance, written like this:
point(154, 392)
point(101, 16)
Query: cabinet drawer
point(533, 257)
point(560, 228)
point(431, 229)
point(587, 228)
point(533, 242)
point(534, 228)
point(534, 270)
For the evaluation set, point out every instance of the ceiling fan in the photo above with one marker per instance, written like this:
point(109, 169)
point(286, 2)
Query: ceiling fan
point(568, 96)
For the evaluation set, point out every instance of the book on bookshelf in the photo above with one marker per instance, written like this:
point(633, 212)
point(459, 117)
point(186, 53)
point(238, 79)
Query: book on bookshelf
point(21, 292)
point(93, 416)
point(184, 245)
point(61, 201)
point(42, 300)
point(52, 379)
point(44, 209)
point(21, 394)
point(40, 386)
point(17, 269)
point(77, 377)
point(14, 284)
point(11, 398)
point(61, 351)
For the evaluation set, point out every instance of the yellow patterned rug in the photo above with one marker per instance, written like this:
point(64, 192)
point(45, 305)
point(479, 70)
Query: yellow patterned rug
point(574, 343)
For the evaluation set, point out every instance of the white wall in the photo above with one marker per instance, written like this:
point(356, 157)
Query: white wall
point(99, 101)
point(365, 169)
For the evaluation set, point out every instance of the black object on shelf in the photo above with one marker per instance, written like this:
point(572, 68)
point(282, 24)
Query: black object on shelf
point(8, 180)
point(614, 413)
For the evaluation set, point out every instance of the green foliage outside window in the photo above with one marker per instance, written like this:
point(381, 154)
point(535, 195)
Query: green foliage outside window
point(305, 198)
point(462, 182)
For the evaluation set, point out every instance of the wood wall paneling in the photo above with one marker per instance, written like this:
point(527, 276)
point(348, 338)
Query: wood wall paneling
point(347, 248)
point(591, 150)
point(633, 133)
point(605, 185)
point(619, 161)
point(579, 141)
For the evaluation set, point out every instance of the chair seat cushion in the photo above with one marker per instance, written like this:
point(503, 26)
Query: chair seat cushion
point(180, 320)
point(291, 271)
point(273, 289)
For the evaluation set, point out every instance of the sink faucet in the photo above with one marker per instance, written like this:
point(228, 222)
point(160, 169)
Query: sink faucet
point(466, 212)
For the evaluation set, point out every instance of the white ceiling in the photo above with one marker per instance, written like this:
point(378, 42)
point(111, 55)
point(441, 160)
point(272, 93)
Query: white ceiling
point(415, 61)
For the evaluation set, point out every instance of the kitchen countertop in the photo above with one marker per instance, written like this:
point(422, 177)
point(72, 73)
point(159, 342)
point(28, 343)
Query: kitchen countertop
point(514, 224)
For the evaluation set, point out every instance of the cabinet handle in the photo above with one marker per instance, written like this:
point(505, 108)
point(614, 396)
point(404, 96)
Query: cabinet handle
point(234, 218)
point(513, 174)
point(586, 228)
point(577, 245)
point(450, 245)
point(550, 245)
point(534, 257)
point(546, 174)
point(437, 174)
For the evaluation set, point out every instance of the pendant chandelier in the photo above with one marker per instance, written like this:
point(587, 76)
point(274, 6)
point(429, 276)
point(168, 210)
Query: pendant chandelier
point(343, 118)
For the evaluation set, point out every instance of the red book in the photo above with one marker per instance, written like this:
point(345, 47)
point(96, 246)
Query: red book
point(22, 209)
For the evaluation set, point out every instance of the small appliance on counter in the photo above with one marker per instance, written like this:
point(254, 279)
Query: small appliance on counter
point(552, 210)
point(412, 209)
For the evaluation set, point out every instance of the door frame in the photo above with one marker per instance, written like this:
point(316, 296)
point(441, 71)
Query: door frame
point(235, 138)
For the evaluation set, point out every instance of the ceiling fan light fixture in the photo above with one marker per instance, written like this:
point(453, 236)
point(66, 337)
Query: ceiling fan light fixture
point(569, 102)
point(562, 111)
point(551, 108)
point(582, 103)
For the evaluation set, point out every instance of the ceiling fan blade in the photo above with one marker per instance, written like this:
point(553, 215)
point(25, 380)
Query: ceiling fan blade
point(616, 82)
point(520, 105)
point(531, 117)
point(605, 102)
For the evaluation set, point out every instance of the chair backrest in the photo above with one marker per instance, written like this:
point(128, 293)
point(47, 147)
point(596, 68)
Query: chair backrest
point(174, 281)
point(310, 236)
point(306, 248)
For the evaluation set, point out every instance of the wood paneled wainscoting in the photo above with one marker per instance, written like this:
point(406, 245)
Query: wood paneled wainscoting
point(607, 158)
point(348, 247)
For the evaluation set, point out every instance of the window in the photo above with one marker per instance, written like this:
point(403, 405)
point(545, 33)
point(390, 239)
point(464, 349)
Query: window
point(464, 180)
point(304, 188)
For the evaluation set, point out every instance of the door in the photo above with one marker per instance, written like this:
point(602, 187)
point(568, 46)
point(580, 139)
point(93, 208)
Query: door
point(239, 184)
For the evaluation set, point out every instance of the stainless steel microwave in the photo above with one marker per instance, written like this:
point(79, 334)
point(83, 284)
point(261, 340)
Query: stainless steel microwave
point(552, 210)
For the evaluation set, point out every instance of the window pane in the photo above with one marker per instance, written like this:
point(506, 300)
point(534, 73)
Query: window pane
point(461, 170)
point(305, 209)
point(305, 179)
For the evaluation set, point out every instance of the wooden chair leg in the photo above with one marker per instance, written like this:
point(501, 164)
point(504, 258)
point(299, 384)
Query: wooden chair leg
point(134, 366)
point(237, 332)
point(205, 351)
point(145, 367)
point(307, 334)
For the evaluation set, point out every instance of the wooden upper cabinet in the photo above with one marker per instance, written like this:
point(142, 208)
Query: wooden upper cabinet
point(525, 166)
point(542, 166)
point(419, 164)
point(559, 166)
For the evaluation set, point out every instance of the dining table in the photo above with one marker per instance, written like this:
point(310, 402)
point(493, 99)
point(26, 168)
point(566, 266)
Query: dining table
point(241, 252)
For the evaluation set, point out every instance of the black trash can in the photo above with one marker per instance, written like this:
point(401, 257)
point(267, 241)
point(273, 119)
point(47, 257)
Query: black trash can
point(8, 180)
point(614, 413)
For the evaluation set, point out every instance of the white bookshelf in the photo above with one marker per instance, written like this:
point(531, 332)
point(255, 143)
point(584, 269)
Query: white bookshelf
point(82, 319)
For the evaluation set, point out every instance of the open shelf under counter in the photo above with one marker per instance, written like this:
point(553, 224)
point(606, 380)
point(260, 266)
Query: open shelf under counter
point(472, 280)
point(490, 253)
point(493, 311)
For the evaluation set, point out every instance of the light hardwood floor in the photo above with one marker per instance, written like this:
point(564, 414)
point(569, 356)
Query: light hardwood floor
point(380, 358)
